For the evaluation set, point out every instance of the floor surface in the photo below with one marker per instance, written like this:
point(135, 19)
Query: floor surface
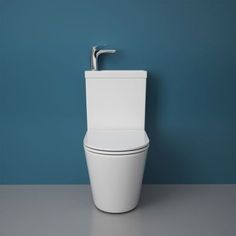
point(164, 210)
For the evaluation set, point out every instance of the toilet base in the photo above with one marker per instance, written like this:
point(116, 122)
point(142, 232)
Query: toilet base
point(116, 180)
point(114, 213)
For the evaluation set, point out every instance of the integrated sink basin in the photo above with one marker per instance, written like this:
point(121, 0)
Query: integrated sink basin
point(137, 74)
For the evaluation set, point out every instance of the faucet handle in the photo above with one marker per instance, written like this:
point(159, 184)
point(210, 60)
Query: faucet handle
point(98, 50)
point(102, 51)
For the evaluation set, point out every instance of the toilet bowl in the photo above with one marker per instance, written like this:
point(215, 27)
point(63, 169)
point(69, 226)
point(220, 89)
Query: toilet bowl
point(116, 161)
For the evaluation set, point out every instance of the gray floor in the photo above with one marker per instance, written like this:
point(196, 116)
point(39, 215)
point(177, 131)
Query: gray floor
point(164, 210)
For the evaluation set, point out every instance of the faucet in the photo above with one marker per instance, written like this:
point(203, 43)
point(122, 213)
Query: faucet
point(96, 52)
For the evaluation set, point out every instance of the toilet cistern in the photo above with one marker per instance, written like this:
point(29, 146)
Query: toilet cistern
point(96, 52)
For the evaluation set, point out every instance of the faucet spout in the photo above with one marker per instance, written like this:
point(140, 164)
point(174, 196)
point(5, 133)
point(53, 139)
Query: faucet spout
point(96, 52)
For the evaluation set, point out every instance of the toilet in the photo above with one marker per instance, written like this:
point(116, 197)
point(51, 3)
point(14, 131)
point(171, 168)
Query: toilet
point(116, 144)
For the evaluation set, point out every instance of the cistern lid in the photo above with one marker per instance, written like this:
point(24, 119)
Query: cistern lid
point(116, 140)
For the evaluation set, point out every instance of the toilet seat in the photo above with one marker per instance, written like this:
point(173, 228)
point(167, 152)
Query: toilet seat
point(123, 153)
point(116, 142)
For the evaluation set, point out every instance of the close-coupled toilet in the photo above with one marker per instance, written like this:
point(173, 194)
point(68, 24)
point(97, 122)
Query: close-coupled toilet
point(116, 143)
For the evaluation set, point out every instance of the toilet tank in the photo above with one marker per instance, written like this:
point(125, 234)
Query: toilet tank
point(116, 99)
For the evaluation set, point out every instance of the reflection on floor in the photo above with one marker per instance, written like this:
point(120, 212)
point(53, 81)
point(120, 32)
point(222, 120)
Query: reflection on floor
point(164, 210)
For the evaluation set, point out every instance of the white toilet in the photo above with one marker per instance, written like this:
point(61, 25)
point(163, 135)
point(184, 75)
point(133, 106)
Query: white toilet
point(116, 143)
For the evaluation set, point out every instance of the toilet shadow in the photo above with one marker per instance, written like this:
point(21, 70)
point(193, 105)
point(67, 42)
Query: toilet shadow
point(164, 195)
point(167, 161)
point(152, 195)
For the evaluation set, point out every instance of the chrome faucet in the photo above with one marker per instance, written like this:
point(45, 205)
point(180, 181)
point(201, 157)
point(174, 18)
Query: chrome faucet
point(96, 52)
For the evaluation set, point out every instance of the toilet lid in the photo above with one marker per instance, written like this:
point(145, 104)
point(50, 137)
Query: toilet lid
point(116, 140)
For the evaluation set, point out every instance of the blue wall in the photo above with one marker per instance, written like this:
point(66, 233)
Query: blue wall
point(189, 49)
